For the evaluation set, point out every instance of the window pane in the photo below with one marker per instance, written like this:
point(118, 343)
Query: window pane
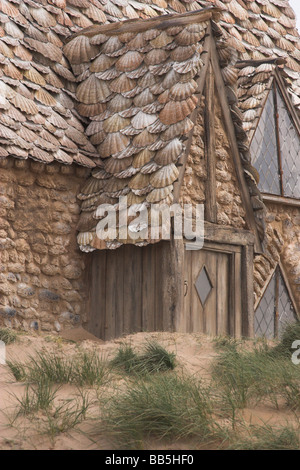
point(264, 150)
point(290, 151)
point(285, 307)
point(264, 315)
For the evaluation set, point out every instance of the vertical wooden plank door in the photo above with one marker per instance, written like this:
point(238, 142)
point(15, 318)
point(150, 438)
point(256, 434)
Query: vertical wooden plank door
point(211, 301)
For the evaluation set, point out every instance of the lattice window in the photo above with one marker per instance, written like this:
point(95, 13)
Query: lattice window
point(275, 309)
point(290, 151)
point(264, 150)
point(275, 149)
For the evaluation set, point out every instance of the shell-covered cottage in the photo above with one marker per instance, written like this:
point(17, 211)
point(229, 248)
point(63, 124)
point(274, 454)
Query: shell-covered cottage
point(165, 103)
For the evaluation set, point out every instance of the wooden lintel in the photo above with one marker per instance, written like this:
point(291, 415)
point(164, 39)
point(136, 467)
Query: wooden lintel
point(201, 82)
point(227, 235)
point(229, 126)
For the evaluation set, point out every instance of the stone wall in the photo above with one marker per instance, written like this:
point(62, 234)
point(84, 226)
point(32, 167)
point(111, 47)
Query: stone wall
point(41, 268)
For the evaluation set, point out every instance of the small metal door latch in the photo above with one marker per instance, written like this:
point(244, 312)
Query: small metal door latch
point(186, 288)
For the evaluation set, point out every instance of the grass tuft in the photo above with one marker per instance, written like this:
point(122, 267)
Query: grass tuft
point(85, 368)
point(7, 336)
point(155, 358)
point(165, 407)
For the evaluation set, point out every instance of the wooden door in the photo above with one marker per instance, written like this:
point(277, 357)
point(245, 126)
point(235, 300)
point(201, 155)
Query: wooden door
point(212, 291)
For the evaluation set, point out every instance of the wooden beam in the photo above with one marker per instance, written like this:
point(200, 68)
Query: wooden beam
point(201, 82)
point(229, 126)
point(230, 235)
point(281, 200)
point(247, 292)
point(210, 148)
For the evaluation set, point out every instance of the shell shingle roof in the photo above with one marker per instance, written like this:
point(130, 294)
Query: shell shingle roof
point(123, 107)
point(39, 118)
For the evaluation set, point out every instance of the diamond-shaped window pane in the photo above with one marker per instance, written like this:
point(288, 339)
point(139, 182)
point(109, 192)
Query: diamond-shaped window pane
point(290, 151)
point(203, 285)
point(264, 150)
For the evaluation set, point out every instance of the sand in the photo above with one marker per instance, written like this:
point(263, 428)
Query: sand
point(194, 353)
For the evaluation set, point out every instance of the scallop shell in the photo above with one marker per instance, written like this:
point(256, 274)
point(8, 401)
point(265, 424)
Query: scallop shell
point(102, 63)
point(127, 173)
point(134, 199)
point(159, 193)
point(182, 53)
point(115, 123)
point(164, 176)
point(257, 89)
point(126, 37)
point(98, 39)
point(144, 98)
point(115, 165)
point(190, 65)
point(151, 34)
point(250, 103)
point(112, 45)
point(122, 84)
point(186, 37)
point(91, 188)
point(98, 137)
point(157, 127)
point(93, 90)
point(101, 174)
point(45, 98)
point(91, 110)
point(139, 72)
point(169, 153)
point(156, 56)
point(115, 184)
point(137, 42)
point(143, 139)
point(164, 97)
point(42, 17)
point(230, 75)
point(119, 103)
point(113, 144)
point(265, 68)
point(181, 91)
point(142, 158)
point(139, 181)
point(147, 80)
point(85, 238)
point(129, 61)
point(170, 79)
point(175, 111)
point(161, 41)
point(142, 120)
point(150, 168)
point(24, 104)
point(177, 129)
point(79, 50)
point(94, 127)
point(109, 74)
